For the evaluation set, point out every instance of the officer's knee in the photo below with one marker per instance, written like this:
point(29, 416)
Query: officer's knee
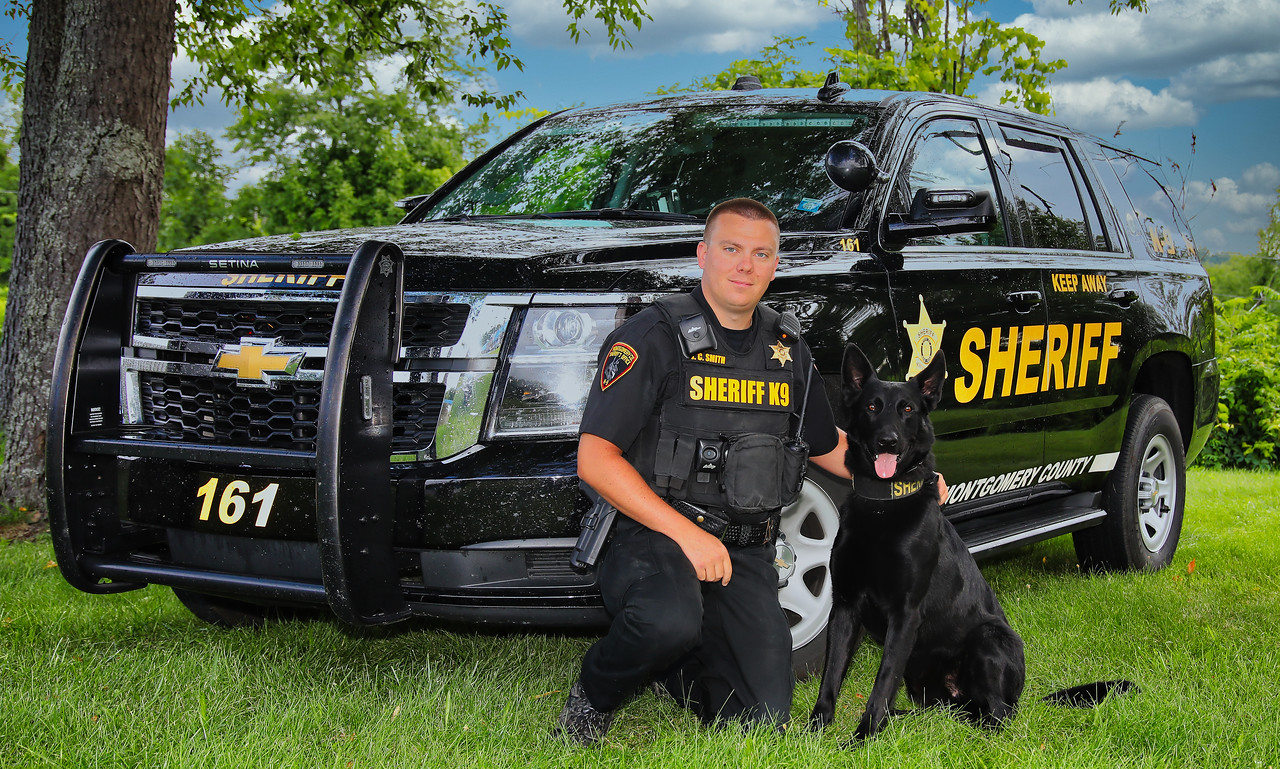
point(669, 628)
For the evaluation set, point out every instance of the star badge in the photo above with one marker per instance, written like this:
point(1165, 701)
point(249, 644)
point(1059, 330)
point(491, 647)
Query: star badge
point(926, 340)
point(781, 353)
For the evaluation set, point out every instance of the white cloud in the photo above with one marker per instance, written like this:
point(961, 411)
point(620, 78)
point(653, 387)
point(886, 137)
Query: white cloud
point(708, 26)
point(1225, 192)
point(1173, 35)
point(1211, 239)
point(246, 175)
point(1100, 105)
point(1231, 206)
point(1263, 177)
point(1231, 78)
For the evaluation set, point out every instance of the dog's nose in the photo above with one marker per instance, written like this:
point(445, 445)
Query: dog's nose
point(888, 444)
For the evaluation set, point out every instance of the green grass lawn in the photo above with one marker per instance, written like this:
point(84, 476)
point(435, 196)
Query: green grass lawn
point(134, 680)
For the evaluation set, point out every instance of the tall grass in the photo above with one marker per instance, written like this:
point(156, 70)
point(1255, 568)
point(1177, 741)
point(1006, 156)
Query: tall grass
point(133, 680)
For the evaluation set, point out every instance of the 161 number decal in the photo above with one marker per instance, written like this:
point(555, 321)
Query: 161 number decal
point(231, 503)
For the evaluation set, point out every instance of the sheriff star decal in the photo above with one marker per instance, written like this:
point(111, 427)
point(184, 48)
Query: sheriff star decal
point(781, 353)
point(926, 340)
point(619, 361)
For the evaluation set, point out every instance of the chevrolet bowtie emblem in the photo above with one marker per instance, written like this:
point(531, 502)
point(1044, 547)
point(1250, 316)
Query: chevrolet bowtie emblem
point(257, 362)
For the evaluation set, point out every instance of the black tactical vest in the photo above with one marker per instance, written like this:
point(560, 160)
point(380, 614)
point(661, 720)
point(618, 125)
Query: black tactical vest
point(725, 438)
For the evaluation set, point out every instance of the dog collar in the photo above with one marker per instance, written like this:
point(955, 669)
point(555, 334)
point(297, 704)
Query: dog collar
point(900, 486)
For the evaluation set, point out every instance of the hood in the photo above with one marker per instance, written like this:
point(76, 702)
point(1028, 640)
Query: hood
point(509, 254)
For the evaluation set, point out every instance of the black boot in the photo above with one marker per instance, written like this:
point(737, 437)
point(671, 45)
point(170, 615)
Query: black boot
point(581, 722)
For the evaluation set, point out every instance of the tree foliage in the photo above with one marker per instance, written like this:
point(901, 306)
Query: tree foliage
point(194, 208)
point(342, 158)
point(921, 45)
point(332, 157)
point(1238, 275)
point(1248, 335)
point(437, 41)
point(1248, 431)
point(8, 201)
point(1269, 236)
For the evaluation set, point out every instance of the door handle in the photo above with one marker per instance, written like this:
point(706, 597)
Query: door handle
point(1123, 296)
point(1023, 301)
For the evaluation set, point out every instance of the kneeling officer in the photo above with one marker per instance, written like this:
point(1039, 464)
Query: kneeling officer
point(693, 432)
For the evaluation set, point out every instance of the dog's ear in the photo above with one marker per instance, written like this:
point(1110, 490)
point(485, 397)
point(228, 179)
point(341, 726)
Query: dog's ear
point(930, 381)
point(857, 369)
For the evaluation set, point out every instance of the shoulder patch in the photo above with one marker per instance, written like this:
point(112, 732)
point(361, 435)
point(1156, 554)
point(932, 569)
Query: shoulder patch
point(619, 361)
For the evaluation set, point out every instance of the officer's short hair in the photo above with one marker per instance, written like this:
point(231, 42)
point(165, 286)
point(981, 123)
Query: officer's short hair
point(744, 207)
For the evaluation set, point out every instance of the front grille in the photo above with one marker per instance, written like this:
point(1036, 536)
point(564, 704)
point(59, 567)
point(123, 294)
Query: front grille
point(226, 321)
point(449, 350)
point(214, 410)
point(294, 324)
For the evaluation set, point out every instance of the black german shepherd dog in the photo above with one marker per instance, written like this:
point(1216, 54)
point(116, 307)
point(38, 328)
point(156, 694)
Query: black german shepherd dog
point(901, 573)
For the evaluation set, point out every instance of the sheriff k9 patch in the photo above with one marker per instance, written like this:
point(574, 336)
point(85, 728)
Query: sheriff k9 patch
point(619, 361)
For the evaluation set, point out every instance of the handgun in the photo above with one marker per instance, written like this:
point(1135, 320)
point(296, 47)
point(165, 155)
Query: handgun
point(597, 523)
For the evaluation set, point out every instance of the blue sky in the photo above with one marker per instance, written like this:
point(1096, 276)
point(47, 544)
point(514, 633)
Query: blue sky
point(1208, 67)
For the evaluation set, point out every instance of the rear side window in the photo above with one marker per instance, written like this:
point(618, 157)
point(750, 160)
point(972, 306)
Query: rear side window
point(1149, 214)
point(949, 155)
point(1049, 192)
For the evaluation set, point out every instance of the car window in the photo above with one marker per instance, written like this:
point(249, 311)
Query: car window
point(1046, 191)
point(1150, 216)
point(948, 154)
point(1101, 226)
point(678, 161)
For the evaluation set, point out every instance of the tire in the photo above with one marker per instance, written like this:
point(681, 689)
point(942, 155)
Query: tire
point(231, 613)
point(810, 525)
point(1143, 497)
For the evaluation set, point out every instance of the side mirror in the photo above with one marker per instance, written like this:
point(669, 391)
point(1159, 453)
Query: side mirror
point(943, 212)
point(852, 167)
point(411, 202)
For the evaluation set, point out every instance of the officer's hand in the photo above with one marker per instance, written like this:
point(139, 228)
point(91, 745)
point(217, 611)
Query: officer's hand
point(709, 557)
point(943, 491)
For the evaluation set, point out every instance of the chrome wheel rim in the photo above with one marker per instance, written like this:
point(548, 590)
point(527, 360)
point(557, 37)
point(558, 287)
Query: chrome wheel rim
point(810, 526)
point(1157, 493)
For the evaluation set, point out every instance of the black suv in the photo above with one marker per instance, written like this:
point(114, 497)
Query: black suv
point(384, 420)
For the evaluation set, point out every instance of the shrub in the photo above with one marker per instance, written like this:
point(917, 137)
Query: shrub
point(1248, 430)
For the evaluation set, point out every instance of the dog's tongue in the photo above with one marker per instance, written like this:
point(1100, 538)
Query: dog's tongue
point(886, 465)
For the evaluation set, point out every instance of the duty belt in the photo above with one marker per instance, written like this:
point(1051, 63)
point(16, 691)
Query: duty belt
point(719, 526)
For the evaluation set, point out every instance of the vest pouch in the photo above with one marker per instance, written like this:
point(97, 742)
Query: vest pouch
point(795, 460)
point(753, 473)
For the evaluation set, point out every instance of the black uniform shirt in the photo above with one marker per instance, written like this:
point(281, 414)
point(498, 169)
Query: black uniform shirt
point(640, 366)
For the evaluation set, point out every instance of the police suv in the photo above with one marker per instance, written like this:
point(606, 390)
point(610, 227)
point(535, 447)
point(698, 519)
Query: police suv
point(384, 421)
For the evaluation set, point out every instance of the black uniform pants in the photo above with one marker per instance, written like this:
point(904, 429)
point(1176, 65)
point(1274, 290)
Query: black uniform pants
point(724, 651)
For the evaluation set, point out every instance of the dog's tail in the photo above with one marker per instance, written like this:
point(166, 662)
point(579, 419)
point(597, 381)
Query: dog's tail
point(1089, 695)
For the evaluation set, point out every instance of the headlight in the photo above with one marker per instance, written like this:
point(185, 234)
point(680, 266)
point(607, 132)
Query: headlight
point(551, 370)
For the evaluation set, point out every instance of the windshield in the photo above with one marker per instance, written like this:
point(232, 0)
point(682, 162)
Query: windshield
point(670, 162)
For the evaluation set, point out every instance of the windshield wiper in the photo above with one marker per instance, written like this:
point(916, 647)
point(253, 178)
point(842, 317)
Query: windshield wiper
point(476, 217)
point(594, 213)
point(621, 213)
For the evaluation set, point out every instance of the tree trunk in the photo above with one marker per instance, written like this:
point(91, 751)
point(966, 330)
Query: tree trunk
point(92, 167)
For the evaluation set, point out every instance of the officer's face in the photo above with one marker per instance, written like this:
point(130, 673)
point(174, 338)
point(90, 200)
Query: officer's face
point(738, 257)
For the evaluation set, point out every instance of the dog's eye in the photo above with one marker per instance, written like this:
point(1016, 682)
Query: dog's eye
point(907, 409)
point(872, 407)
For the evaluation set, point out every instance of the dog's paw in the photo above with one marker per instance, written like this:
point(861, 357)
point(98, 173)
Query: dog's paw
point(819, 720)
point(868, 725)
